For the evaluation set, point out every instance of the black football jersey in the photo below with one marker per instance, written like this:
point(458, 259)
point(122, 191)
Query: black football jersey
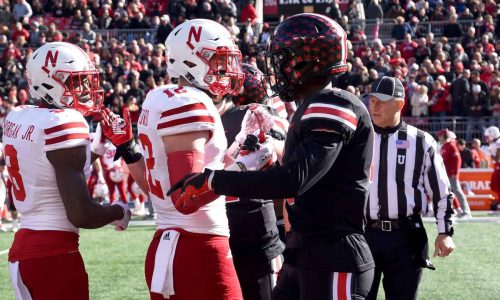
point(252, 222)
point(326, 170)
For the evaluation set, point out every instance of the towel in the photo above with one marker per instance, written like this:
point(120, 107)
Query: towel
point(21, 291)
point(163, 273)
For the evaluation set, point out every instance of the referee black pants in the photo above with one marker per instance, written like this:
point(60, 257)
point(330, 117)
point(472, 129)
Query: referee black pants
point(392, 253)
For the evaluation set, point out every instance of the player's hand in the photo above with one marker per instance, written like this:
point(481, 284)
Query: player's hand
point(254, 156)
point(116, 129)
point(192, 192)
point(99, 144)
point(122, 223)
point(444, 245)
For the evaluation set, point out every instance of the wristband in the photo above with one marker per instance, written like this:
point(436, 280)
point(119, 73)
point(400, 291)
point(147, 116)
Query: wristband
point(129, 152)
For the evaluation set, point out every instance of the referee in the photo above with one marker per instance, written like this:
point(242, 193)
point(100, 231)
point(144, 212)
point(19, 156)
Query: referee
point(406, 168)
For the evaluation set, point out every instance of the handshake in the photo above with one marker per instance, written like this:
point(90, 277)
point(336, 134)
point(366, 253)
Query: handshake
point(197, 190)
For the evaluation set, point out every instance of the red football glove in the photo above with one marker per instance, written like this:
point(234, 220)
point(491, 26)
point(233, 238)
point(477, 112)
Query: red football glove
point(116, 129)
point(196, 192)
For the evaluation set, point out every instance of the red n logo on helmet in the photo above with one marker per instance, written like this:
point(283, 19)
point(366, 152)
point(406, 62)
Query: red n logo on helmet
point(193, 34)
point(52, 58)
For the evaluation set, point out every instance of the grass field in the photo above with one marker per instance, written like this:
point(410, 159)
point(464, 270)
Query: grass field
point(115, 260)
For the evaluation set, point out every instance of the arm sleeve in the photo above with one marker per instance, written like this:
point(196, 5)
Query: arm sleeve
point(437, 186)
point(313, 157)
point(65, 129)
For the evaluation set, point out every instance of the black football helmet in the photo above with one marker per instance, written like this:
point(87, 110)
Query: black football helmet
point(305, 47)
point(254, 87)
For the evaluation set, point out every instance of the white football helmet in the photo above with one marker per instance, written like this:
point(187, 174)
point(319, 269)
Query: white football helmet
point(116, 174)
point(203, 52)
point(491, 133)
point(63, 75)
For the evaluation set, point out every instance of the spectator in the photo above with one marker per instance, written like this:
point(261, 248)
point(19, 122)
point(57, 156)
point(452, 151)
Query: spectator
point(333, 11)
point(88, 35)
point(265, 35)
point(477, 105)
point(37, 8)
point(56, 8)
point(408, 47)
point(466, 155)
point(395, 12)
point(249, 13)
point(453, 29)
point(76, 20)
point(21, 11)
point(420, 102)
point(227, 9)
point(374, 11)
point(164, 29)
point(20, 31)
point(400, 30)
point(480, 157)
point(460, 89)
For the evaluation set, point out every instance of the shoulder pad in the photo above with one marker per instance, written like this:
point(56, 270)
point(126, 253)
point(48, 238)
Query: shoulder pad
point(65, 128)
point(182, 109)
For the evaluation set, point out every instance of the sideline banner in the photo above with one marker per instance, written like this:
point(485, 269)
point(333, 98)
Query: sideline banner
point(477, 181)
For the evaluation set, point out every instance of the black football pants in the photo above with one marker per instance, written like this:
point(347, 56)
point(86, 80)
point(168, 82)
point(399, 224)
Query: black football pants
point(392, 254)
point(295, 283)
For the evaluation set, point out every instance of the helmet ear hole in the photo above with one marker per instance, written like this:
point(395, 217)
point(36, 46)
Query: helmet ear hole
point(189, 64)
point(46, 86)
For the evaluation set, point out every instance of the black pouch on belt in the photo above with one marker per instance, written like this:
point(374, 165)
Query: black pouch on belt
point(419, 243)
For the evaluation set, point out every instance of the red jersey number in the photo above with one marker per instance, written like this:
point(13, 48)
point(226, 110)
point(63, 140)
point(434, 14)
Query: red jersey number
point(154, 185)
point(13, 168)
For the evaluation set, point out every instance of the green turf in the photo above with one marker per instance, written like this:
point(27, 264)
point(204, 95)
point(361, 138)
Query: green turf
point(115, 263)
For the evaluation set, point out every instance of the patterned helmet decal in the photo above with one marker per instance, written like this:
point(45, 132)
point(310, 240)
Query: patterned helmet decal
point(254, 88)
point(304, 45)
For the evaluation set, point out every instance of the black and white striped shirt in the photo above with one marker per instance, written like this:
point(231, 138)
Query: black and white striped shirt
point(407, 168)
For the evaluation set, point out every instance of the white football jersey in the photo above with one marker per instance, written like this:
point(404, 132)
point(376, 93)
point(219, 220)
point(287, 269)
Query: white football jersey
point(170, 110)
point(278, 106)
point(107, 159)
point(30, 132)
point(494, 146)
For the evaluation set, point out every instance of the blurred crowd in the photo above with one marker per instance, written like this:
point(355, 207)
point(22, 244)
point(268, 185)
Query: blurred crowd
point(455, 72)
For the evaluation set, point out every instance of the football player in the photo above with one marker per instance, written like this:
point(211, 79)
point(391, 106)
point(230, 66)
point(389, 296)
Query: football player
point(492, 137)
point(254, 240)
point(113, 175)
point(326, 166)
point(48, 156)
point(180, 132)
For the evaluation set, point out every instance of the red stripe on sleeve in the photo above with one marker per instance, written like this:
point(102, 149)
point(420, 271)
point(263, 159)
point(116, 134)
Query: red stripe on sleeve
point(65, 126)
point(193, 119)
point(331, 111)
point(71, 136)
point(342, 286)
point(183, 109)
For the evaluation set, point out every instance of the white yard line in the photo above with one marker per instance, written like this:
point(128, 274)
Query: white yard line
point(2, 252)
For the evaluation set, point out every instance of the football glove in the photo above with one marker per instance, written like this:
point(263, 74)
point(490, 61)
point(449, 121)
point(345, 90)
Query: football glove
point(116, 129)
point(254, 156)
point(195, 191)
point(122, 223)
point(119, 132)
